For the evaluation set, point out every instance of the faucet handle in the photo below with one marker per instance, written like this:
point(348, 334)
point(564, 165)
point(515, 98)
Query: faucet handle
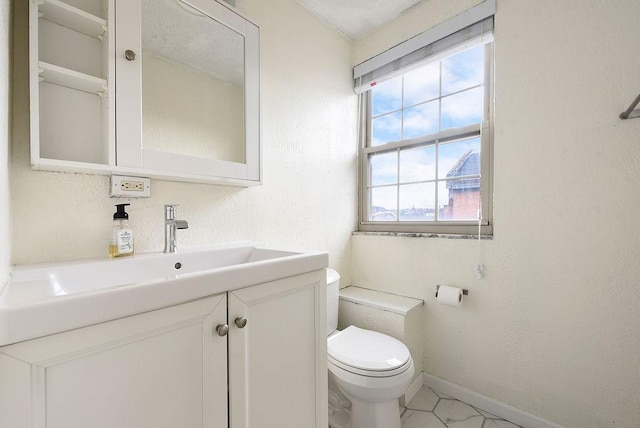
point(170, 211)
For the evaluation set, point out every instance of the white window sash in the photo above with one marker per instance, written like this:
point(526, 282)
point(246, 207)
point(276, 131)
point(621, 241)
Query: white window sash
point(484, 130)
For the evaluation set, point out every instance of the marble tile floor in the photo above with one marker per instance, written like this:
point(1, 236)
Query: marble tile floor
point(432, 409)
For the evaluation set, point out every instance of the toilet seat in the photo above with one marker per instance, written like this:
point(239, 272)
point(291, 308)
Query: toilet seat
point(369, 373)
point(368, 353)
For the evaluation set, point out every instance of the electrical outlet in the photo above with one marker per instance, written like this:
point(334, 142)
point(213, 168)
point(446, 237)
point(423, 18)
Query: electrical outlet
point(130, 187)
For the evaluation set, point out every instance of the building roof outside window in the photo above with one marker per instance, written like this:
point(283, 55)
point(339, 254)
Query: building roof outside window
point(468, 164)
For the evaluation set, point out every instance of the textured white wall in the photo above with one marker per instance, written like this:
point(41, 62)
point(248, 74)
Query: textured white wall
point(5, 249)
point(307, 202)
point(554, 327)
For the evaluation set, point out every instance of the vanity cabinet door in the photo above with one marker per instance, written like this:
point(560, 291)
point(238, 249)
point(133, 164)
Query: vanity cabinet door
point(165, 368)
point(277, 361)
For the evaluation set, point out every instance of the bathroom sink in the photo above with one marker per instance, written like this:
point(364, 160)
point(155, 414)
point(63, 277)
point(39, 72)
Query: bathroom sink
point(49, 298)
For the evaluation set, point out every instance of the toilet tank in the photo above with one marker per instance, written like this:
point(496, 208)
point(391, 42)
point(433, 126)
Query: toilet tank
point(333, 288)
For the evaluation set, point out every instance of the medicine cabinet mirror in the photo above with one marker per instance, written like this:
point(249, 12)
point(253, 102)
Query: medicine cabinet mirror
point(161, 88)
point(192, 83)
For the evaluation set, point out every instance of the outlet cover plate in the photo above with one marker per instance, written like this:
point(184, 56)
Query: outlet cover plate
point(130, 187)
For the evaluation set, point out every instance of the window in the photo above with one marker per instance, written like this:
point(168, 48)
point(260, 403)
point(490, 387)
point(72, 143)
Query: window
point(426, 143)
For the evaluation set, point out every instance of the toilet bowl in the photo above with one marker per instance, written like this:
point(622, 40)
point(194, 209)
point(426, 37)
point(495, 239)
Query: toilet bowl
point(371, 369)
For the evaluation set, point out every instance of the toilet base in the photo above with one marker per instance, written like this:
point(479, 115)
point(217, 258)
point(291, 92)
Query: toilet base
point(339, 407)
point(374, 400)
point(375, 415)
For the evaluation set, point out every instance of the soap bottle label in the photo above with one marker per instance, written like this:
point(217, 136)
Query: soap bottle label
point(125, 241)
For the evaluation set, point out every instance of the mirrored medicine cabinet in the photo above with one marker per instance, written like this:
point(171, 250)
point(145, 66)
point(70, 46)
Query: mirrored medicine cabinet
point(168, 89)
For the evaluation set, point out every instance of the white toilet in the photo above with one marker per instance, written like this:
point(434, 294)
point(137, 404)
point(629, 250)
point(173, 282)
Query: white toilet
point(371, 369)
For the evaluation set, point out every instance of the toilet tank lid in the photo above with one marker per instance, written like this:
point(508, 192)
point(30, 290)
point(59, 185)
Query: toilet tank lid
point(332, 276)
point(367, 350)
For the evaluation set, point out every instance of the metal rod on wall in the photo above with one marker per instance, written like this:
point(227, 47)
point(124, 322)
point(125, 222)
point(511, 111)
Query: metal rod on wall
point(630, 113)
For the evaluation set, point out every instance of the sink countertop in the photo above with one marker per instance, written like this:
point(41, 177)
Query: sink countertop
point(44, 299)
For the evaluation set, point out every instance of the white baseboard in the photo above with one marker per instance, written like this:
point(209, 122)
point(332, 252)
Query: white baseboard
point(413, 389)
point(488, 404)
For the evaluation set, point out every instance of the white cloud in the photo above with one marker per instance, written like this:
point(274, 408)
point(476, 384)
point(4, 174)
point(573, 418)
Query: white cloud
point(387, 128)
point(463, 70)
point(421, 120)
point(462, 109)
point(422, 84)
point(384, 168)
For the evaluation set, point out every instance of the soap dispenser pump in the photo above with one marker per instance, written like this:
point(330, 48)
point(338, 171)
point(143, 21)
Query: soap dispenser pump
point(122, 236)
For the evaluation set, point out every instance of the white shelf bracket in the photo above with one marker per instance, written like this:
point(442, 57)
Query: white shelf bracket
point(104, 33)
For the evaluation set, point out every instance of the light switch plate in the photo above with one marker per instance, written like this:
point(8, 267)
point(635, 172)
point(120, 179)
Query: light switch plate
point(130, 187)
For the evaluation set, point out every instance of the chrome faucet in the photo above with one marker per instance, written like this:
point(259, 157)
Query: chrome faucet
point(170, 226)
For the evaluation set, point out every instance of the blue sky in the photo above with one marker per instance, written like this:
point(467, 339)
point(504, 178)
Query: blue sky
point(408, 106)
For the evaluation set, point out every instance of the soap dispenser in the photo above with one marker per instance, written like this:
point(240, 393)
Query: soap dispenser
point(122, 236)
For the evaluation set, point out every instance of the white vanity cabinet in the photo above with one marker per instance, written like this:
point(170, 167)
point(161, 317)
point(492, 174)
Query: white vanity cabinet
point(171, 367)
point(97, 108)
point(163, 368)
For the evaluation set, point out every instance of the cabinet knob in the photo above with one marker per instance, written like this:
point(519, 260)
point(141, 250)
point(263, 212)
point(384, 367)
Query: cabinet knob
point(241, 322)
point(222, 329)
point(129, 55)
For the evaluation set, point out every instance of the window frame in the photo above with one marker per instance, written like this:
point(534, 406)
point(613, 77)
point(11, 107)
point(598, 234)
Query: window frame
point(483, 130)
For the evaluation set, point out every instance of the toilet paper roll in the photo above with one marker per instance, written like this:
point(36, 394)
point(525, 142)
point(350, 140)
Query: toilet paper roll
point(451, 296)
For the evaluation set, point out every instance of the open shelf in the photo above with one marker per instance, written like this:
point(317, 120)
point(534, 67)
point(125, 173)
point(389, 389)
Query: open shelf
point(72, 79)
point(72, 17)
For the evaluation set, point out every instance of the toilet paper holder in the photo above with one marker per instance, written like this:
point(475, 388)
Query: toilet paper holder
point(464, 291)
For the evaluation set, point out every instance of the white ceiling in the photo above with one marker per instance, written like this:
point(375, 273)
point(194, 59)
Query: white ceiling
point(356, 18)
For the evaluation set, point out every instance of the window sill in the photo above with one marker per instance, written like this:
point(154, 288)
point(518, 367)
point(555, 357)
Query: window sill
point(422, 235)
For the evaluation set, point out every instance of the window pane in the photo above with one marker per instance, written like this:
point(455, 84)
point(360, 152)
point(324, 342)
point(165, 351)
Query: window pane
point(432, 175)
point(462, 109)
point(386, 96)
point(383, 204)
point(422, 84)
point(459, 199)
point(463, 70)
point(457, 158)
point(384, 168)
point(420, 120)
point(418, 164)
point(386, 128)
point(417, 202)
